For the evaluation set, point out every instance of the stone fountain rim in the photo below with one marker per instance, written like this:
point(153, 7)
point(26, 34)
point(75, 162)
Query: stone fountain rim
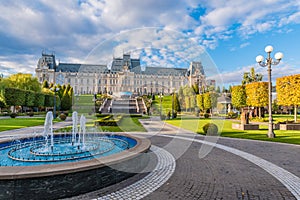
point(24, 172)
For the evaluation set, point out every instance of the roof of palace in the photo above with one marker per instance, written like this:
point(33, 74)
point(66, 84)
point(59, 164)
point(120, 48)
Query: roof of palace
point(87, 68)
point(118, 64)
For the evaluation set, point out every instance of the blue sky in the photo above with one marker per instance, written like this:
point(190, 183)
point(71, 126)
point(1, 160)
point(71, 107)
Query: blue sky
point(232, 32)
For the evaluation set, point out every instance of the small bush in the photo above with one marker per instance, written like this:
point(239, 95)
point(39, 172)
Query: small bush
point(206, 115)
point(232, 115)
point(13, 115)
point(168, 115)
point(210, 129)
point(174, 115)
point(30, 114)
point(63, 116)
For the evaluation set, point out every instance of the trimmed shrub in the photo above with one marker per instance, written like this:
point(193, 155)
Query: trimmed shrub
point(30, 114)
point(13, 115)
point(206, 115)
point(62, 116)
point(232, 115)
point(210, 129)
point(174, 115)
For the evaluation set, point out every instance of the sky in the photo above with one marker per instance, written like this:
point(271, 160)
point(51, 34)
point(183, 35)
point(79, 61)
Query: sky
point(229, 34)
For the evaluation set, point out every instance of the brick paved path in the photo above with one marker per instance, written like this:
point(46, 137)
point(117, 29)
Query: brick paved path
point(220, 174)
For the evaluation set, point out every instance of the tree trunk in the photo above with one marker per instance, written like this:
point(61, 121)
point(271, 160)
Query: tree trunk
point(259, 112)
point(295, 113)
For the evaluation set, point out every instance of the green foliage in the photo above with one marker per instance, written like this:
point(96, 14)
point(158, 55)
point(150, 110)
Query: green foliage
point(39, 99)
point(29, 98)
point(238, 96)
point(24, 81)
point(218, 90)
point(66, 103)
point(214, 99)
point(13, 115)
point(206, 115)
point(45, 84)
point(232, 115)
point(62, 116)
point(14, 96)
point(250, 77)
point(49, 100)
point(176, 103)
point(210, 129)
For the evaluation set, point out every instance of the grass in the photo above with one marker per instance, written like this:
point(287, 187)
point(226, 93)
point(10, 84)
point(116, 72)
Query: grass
point(127, 124)
point(166, 104)
point(224, 126)
point(16, 123)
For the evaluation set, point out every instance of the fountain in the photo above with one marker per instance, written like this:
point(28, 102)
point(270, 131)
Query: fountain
point(48, 158)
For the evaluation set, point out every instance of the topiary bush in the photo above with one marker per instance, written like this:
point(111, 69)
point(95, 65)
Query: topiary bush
point(63, 116)
point(13, 115)
point(206, 115)
point(30, 114)
point(210, 129)
point(232, 115)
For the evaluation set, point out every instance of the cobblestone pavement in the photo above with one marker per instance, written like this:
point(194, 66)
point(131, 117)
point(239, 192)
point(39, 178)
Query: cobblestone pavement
point(222, 173)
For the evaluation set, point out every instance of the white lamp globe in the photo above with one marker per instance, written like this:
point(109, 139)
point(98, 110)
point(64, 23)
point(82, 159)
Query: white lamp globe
point(268, 49)
point(259, 58)
point(278, 56)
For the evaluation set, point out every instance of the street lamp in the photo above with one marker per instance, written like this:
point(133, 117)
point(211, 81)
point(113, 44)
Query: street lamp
point(268, 63)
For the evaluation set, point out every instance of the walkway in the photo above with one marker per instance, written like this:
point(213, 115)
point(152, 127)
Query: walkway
point(190, 166)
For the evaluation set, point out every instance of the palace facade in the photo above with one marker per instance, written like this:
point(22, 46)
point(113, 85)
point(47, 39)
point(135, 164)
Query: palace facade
point(125, 75)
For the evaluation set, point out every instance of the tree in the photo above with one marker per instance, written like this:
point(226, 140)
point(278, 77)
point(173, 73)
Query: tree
point(45, 84)
point(29, 98)
point(196, 88)
point(238, 96)
point(24, 81)
point(250, 77)
point(176, 103)
point(257, 95)
point(288, 88)
point(66, 103)
point(207, 103)
point(14, 97)
point(199, 100)
point(218, 90)
point(224, 89)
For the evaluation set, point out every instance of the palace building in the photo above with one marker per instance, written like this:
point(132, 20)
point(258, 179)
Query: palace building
point(124, 75)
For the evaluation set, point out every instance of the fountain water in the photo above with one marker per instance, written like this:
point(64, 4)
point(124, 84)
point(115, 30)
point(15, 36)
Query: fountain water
point(30, 162)
point(48, 129)
point(74, 128)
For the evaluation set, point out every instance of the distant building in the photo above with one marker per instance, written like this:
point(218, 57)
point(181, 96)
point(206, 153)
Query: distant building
point(124, 75)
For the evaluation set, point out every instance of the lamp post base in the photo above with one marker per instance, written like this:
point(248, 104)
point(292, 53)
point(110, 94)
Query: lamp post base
point(271, 133)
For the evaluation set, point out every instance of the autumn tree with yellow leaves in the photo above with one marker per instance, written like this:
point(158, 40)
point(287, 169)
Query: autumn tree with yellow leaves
point(288, 94)
point(257, 95)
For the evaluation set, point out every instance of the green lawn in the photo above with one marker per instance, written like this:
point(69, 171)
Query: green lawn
point(127, 124)
point(166, 104)
point(195, 125)
point(15, 123)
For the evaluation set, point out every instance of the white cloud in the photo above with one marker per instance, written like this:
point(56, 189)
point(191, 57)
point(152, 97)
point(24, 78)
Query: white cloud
point(74, 28)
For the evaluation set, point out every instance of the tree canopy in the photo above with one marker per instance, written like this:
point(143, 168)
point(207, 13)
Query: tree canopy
point(250, 77)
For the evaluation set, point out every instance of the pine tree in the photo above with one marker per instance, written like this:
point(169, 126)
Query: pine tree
point(45, 84)
point(66, 102)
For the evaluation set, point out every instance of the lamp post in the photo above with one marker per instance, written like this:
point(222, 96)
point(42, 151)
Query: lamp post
point(268, 63)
